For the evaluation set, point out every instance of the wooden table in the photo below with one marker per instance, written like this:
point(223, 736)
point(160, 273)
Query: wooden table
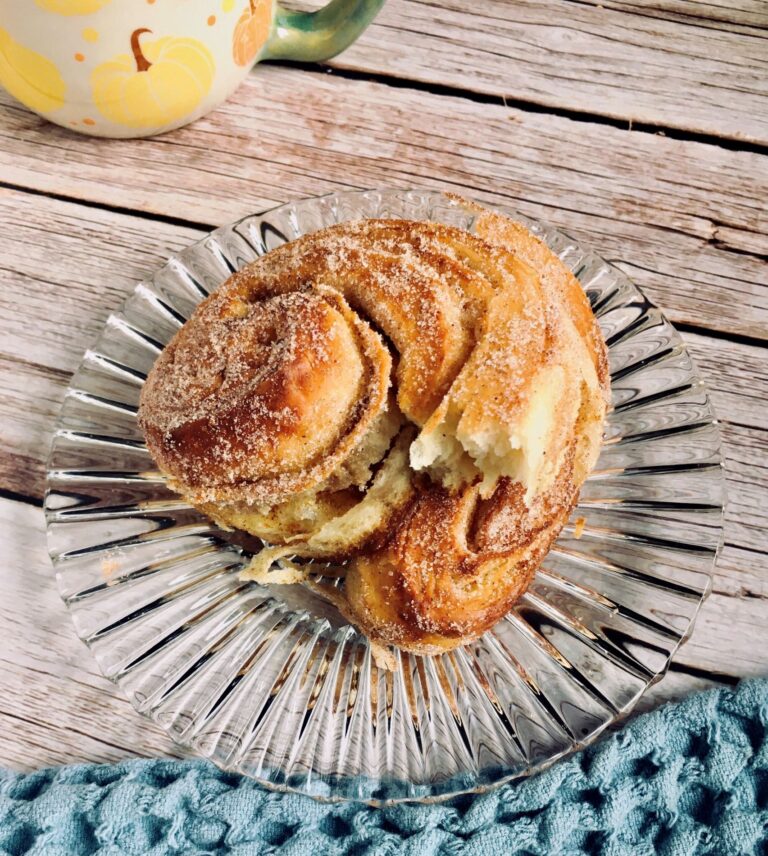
point(640, 126)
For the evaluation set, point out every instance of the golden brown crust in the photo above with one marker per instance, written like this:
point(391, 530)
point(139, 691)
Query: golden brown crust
point(270, 409)
point(554, 275)
point(246, 384)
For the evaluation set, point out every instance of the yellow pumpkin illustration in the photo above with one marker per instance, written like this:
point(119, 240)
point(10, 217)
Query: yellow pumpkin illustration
point(251, 31)
point(72, 7)
point(29, 76)
point(158, 83)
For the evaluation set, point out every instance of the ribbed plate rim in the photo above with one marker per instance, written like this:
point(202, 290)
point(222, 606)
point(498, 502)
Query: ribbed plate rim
point(577, 745)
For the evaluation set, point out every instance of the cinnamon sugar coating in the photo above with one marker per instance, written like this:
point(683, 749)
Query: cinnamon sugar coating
point(421, 401)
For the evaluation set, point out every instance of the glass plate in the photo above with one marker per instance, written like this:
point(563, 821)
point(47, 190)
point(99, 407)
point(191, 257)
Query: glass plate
point(272, 682)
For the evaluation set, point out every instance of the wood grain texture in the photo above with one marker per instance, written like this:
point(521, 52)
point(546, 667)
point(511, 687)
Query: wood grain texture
point(686, 220)
point(55, 707)
point(694, 66)
point(101, 255)
point(28, 414)
point(743, 16)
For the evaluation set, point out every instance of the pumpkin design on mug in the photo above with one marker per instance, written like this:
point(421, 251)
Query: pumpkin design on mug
point(29, 76)
point(158, 83)
point(72, 7)
point(251, 31)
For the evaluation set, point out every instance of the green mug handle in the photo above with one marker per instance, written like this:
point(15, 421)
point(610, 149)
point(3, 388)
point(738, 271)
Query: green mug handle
point(315, 36)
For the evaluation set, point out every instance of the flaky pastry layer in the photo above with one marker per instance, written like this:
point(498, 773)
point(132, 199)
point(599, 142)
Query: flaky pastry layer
point(417, 402)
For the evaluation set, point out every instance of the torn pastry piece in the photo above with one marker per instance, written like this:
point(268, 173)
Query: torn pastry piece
point(350, 530)
point(412, 402)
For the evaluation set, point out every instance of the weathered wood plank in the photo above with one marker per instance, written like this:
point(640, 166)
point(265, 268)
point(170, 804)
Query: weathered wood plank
point(686, 220)
point(68, 266)
point(738, 377)
point(740, 572)
point(675, 686)
point(50, 740)
point(721, 14)
point(55, 708)
point(746, 468)
point(694, 66)
point(31, 397)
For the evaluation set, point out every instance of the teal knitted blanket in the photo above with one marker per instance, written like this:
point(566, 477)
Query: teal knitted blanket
point(689, 778)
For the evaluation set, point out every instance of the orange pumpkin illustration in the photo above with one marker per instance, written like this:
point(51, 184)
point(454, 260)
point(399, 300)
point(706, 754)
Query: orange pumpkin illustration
point(251, 31)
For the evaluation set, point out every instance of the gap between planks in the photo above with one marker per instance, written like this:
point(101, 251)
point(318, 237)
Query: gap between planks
point(520, 103)
point(91, 722)
point(203, 228)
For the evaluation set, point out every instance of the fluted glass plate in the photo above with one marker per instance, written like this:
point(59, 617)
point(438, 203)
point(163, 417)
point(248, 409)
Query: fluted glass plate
point(271, 681)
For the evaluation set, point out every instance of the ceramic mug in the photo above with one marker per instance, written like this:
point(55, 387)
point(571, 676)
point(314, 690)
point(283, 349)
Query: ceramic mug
point(133, 68)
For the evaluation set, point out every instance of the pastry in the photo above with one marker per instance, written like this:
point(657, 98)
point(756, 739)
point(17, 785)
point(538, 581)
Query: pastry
point(415, 405)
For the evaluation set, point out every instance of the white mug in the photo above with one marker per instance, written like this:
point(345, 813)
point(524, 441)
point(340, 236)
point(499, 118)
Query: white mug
point(133, 68)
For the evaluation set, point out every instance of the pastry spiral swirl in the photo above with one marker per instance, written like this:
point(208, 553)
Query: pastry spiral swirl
point(420, 401)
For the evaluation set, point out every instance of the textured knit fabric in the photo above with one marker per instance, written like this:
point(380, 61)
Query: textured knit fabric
point(686, 779)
